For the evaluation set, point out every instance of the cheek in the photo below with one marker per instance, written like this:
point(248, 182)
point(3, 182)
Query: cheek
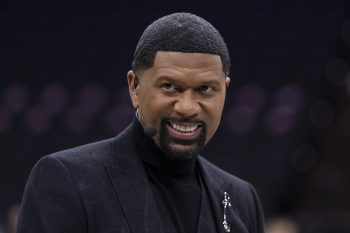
point(154, 108)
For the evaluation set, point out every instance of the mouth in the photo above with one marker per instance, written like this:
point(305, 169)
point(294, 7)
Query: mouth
point(184, 127)
point(186, 131)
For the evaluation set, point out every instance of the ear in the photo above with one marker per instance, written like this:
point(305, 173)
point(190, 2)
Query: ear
point(131, 76)
point(227, 81)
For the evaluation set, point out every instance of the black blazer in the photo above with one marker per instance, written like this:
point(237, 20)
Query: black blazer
point(103, 188)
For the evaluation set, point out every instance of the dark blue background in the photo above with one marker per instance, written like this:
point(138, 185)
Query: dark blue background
point(285, 126)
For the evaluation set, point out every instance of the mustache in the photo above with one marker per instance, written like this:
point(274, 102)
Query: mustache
point(184, 120)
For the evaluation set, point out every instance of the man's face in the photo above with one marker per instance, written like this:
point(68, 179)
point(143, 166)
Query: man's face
point(182, 97)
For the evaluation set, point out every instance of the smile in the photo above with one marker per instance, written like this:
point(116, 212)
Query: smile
point(184, 128)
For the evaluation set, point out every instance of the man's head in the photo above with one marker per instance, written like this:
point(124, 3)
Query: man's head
point(179, 32)
point(179, 81)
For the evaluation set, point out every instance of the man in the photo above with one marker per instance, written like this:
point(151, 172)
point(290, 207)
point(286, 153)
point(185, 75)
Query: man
point(150, 178)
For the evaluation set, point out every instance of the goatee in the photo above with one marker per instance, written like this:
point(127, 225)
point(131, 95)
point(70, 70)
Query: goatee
point(190, 148)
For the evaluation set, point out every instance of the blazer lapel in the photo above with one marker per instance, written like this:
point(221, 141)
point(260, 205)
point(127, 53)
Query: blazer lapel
point(136, 199)
point(216, 186)
point(132, 188)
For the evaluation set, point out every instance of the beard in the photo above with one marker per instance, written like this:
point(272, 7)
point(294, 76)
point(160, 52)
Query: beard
point(190, 148)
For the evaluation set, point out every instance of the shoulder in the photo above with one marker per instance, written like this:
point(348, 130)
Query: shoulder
point(73, 160)
point(95, 152)
point(89, 160)
point(100, 152)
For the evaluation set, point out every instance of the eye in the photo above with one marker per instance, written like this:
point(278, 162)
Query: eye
point(206, 89)
point(168, 86)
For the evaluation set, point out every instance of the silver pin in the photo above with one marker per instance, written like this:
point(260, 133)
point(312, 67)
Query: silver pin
point(226, 203)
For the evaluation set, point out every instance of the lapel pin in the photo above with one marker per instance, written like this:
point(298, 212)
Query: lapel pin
point(226, 203)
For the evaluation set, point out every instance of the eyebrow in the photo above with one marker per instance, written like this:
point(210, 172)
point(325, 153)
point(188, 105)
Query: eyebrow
point(166, 78)
point(208, 82)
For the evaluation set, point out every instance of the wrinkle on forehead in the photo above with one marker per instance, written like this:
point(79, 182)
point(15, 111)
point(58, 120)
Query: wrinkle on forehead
point(186, 71)
point(191, 60)
point(188, 63)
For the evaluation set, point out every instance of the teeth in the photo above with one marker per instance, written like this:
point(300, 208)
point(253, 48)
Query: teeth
point(182, 128)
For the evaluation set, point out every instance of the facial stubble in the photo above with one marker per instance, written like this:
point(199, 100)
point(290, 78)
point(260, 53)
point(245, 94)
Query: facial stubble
point(191, 148)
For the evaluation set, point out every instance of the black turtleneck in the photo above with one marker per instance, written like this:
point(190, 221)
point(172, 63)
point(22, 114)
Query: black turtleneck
point(175, 183)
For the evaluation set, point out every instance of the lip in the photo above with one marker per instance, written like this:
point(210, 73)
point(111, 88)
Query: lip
point(184, 136)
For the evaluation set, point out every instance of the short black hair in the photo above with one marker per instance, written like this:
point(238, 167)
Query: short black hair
point(179, 32)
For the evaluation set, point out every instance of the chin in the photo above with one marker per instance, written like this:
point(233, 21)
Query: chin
point(182, 152)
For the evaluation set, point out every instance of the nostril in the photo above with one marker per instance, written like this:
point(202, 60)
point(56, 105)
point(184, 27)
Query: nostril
point(186, 109)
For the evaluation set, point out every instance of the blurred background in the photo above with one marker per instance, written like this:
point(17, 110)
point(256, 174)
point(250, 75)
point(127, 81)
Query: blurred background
point(285, 126)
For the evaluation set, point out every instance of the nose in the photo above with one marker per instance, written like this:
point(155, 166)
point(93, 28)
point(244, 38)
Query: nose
point(187, 105)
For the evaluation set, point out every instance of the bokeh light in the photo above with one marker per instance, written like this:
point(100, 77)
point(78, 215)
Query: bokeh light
point(76, 120)
point(290, 95)
point(240, 119)
point(280, 119)
point(92, 98)
point(16, 97)
point(248, 101)
point(283, 114)
point(38, 119)
point(54, 97)
point(253, 96)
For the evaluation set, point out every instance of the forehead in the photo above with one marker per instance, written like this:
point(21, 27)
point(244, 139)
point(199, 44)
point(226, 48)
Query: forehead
point(188, 63)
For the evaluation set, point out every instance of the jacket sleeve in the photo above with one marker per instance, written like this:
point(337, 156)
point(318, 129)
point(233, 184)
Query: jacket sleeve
point(259, 221)
point(51, 202)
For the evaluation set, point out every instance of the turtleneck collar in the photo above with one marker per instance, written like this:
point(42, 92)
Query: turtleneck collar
point(150, 153)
